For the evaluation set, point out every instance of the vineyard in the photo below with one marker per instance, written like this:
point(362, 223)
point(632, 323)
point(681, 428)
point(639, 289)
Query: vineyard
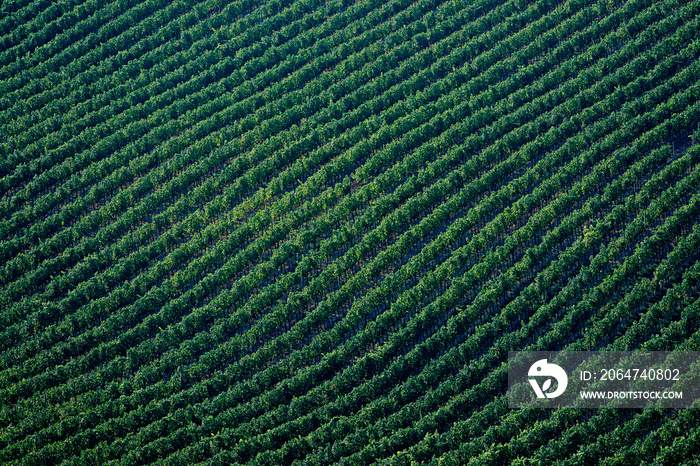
point(309, 232)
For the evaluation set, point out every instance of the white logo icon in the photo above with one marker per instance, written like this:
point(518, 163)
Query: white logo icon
point(542, 369)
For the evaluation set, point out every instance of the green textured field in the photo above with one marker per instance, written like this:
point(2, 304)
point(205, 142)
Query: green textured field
point(304, 232)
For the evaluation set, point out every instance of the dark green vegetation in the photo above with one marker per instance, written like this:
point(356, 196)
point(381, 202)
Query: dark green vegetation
point(268, 232)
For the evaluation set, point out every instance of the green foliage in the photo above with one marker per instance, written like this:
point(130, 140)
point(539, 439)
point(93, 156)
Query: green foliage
point(296, 231)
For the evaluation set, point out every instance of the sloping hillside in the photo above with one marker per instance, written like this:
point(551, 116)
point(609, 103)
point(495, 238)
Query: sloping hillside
point(276, 232)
